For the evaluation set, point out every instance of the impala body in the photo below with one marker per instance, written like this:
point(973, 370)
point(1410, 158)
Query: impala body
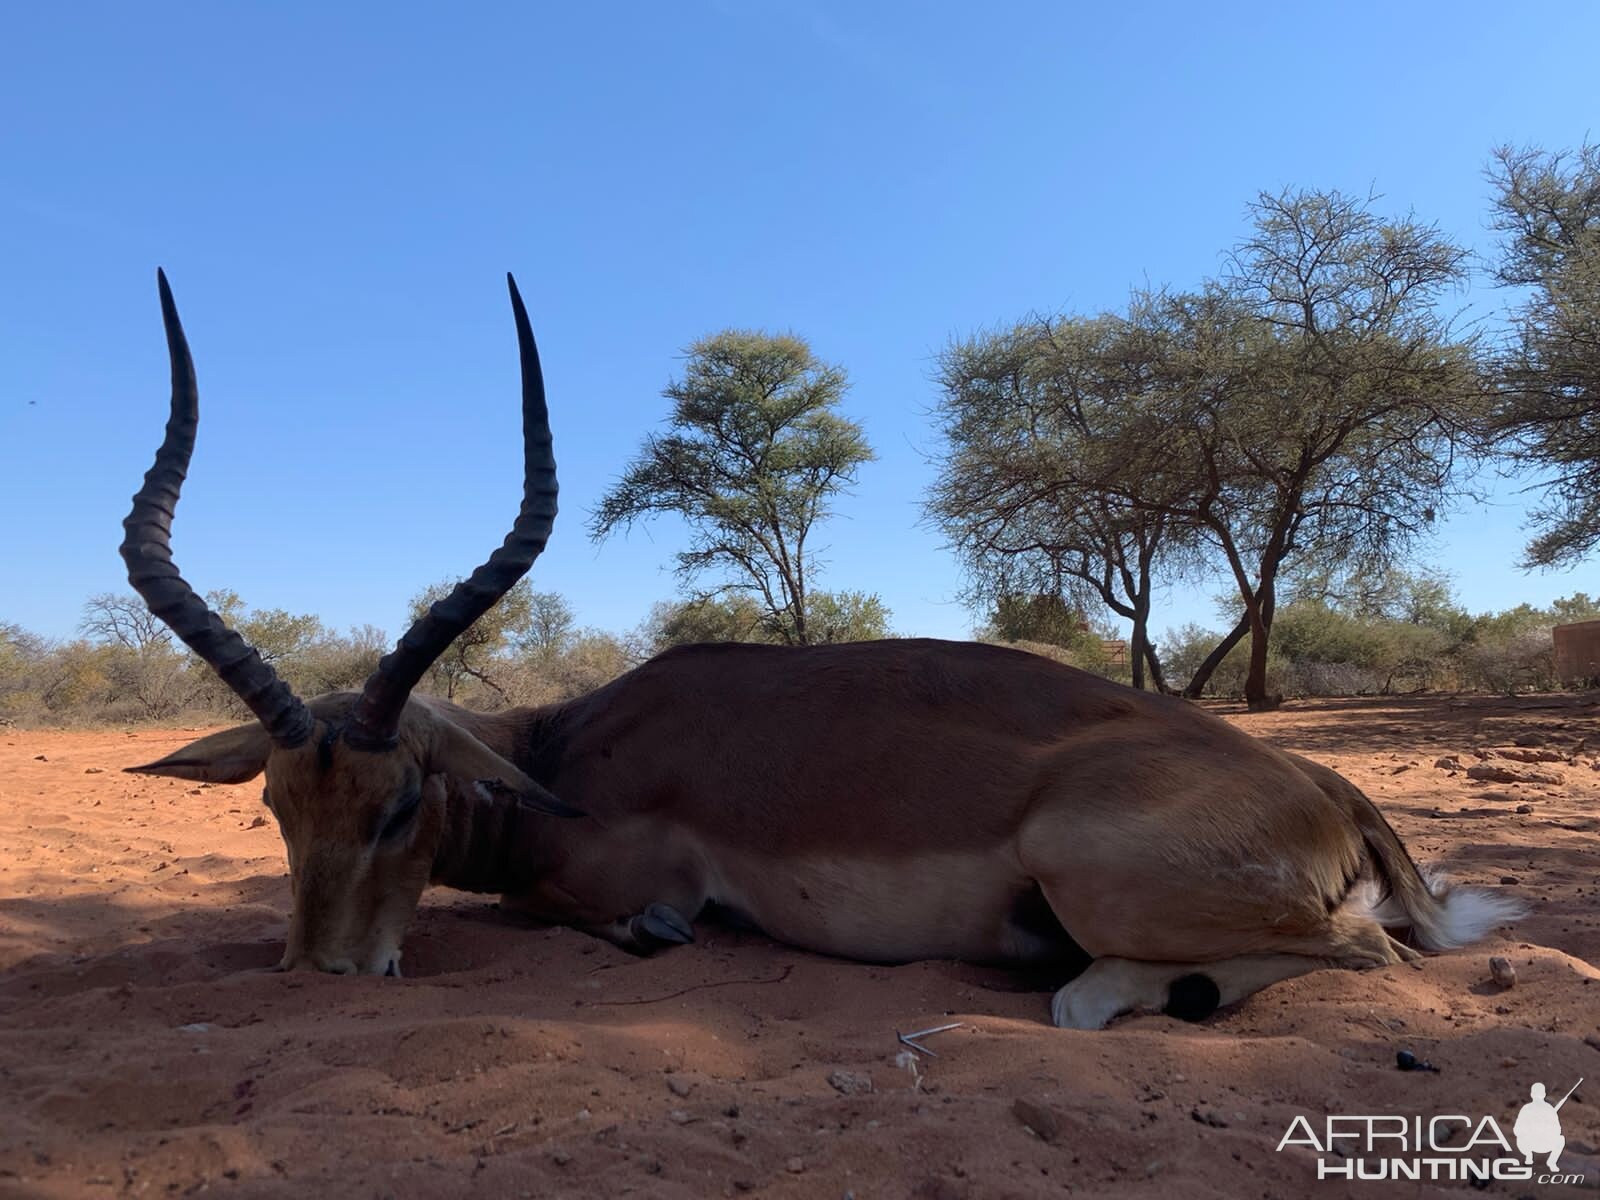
point(885, 801)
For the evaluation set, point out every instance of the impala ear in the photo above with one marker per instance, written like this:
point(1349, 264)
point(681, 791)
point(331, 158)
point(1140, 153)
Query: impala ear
point(458, 754)
point(530, 796)
point(232, 756)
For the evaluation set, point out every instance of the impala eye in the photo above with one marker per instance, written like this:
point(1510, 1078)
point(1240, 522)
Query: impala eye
point(400, 819)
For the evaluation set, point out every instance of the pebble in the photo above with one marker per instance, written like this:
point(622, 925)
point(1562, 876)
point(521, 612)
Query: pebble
point(795, 1165)
point(849, 1083)
point(679, 1086)
point(1494, 773)
point(1408, 1061)
point(1501, 970)
point(1524, 809)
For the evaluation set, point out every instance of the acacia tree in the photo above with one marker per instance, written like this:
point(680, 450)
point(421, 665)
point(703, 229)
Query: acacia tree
point(477, 650)
point(1353, 401)
point(552, 627)
point(754, 453)
point(1549, 412)
point(123, 619)
point(1031, 415)
point(1307, 404)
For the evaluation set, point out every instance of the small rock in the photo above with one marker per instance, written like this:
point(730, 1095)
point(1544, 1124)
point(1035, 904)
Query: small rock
point(40, 758)
point(678, 1117)
point(1039, 1118)
point(1495, 773)
point(1408, 1061)
point(1524, 809)
point(1208, 1116)
point(1507, 1063)
point(197, 1027)
point(849, 1083)
point(1533, 756)
point(94, 770)
point(1528, 739)
point(679, 1086)
point(560, 1157)
point(795, 1165)
point(257, 823)
point(1448, 762)
point(1509, 879)
point(1501, 970)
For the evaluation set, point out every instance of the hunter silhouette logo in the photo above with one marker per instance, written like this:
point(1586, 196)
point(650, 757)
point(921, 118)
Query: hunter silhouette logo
point(1538, 1127)
point(1449, 1146)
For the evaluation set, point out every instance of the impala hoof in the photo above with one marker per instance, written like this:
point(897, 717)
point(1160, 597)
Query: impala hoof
point(662, 925)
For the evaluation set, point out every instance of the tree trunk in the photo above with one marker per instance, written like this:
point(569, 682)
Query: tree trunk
point(1260, 617)
point(1157, 678)
point(1139, 649)
point(1203, 673)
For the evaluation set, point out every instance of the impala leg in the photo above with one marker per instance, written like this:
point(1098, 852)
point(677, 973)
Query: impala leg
point(1189, 991)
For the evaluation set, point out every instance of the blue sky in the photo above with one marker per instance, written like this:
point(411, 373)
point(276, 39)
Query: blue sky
point(336, 190)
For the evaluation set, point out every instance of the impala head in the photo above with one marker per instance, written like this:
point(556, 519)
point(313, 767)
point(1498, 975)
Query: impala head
point(358, 783)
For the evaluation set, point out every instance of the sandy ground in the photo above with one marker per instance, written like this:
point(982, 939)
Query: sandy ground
point(144, 1050)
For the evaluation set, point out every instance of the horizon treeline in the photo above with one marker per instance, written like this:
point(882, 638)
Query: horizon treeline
point(1403, 636)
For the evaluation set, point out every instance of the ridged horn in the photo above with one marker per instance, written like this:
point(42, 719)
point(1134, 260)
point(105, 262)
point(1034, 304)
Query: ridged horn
point(376, 718)
point(147, 549)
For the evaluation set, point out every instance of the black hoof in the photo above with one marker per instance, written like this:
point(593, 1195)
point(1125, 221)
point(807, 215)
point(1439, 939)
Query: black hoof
point(662, 925)
point(1192, 998)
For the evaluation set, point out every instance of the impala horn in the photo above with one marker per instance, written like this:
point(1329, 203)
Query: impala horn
point(147, 549)
point(375, 719)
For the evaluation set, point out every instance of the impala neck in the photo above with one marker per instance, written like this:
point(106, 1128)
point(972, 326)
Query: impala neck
point(484, 844)
point(491, 843)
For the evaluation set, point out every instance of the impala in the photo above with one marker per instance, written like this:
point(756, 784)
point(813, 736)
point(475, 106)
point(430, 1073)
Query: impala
point(884, 801)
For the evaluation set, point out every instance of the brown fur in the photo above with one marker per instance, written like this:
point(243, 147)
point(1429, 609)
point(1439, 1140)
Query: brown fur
point(885, 801)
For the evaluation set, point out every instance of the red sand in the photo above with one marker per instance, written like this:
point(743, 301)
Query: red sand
point(145, 1051)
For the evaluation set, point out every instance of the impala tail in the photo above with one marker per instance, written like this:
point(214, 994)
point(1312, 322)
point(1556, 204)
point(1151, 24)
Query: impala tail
point(1440, 914)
